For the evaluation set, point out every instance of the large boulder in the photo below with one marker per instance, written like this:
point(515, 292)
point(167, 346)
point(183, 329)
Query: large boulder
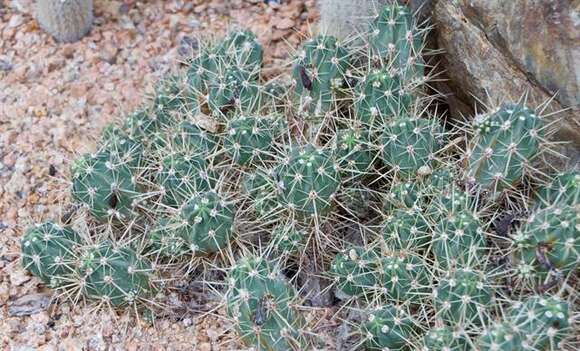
point(497, 50)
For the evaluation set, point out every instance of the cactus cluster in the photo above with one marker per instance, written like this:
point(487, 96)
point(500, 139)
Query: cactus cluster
point(340, 165)
point(264, 306)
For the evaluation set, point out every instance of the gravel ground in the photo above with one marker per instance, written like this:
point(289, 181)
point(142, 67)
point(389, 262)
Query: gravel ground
point(54, 99)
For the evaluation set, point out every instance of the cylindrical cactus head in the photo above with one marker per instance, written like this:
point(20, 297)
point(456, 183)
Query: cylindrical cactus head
point(242, 49)
point(402, 195)
point(288, 239)
point(404, 277)
point(388, 328)
point(505, 143)
point(380, 98)
point(190, 138)
point(144, 124)
point(239, 49)
point(394, 38)
point(355, 271)
point(502, 337)
point(115, 275)
point(205, 222)
point(410, 144)
point(543, 321)
point(309, 179)
point(261, 304)
point(457, 242)
point(563, 188)
point(261, 188)
point(319, 73)
point(462, 296)
point(353, 151)
point(165, 241)
point(50, 252)
point(548, 243)
point(180, 176)
point(235, 90)
point(458, 238)
point(444, 338)
point(116, 142)
point(442, 179)
point(105, 185)
point(406, 229)
point(170, 95)
point(248, 139)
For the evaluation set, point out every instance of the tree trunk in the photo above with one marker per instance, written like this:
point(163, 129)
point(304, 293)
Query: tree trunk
point(65, 20)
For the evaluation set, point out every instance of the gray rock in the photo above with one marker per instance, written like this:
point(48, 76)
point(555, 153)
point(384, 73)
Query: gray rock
point(499, 50)
point(28, 305)
point(5, 65)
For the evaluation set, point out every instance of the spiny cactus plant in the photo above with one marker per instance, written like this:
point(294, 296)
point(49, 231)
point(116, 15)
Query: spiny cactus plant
point(458, 239)
point(407, 229)
point(443, 338)
point(345, 182)
point(144, 124)
point(564, 188)
point(548, 244)
point(542, 321)
point(388, 328)
point(129, 151)
point(170, 95)
point(355, 271)
point(381, 97)
point(262, 306)
point(320, 73)
point(394, 38)
point(462, 297)
point(106, 185)
point(309, 179)
point(262, 189)
point(166, 241)
point(115, 275)
point(288, 239)
point(180, 176)
point(505, 144)
point(409, 145)
point(354, 152)
point(241, 48)
point(502, 336)
point(234, 90)
point(224, 76)
point(249, 139)
point(402, 195)
point(205, 223)
point(188, 137)
point(405, 277)
point(51, 252)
